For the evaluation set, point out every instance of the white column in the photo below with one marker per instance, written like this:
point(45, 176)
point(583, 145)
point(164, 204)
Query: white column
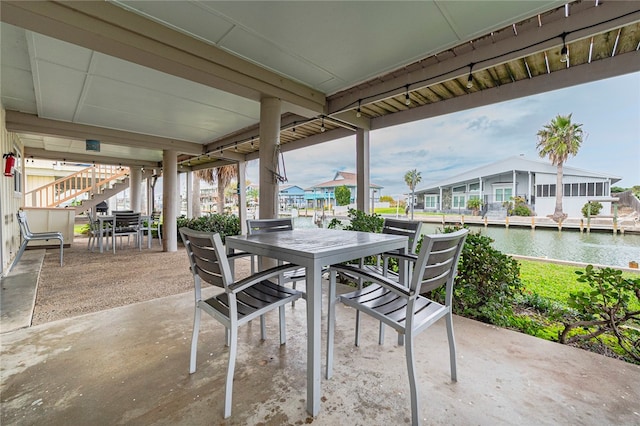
point(441, 209)
point(170, 200)
point(242, 196)
point(363, 166)
point(269, 138)
point(149, 196)
point(135, 186)
point(513, 189)
point(190, 195)
point(529, 189)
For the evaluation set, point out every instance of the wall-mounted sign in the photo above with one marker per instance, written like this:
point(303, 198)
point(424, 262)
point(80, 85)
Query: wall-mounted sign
point(93, 145)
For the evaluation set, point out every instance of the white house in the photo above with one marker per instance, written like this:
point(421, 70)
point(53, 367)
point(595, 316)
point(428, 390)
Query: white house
point(534, 180)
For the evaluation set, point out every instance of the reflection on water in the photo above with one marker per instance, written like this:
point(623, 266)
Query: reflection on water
point(602, 248)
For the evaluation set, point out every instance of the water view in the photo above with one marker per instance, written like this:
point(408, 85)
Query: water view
point(601, 248)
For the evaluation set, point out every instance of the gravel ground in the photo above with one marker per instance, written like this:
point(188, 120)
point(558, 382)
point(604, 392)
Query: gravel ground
point(92, 281)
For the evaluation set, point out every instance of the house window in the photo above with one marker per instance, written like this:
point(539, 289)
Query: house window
point(474, 187)
point(459, 201)
point(503, 194)
point(430, 201)
point(599, 189)
point(567, 190)
point(459, 189)
point(591, 189)
point(546, 190)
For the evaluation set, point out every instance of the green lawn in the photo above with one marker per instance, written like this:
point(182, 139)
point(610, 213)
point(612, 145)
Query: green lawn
point(553, 281)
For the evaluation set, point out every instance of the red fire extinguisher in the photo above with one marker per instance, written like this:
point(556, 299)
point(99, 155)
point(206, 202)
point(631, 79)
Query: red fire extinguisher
point(10, 162)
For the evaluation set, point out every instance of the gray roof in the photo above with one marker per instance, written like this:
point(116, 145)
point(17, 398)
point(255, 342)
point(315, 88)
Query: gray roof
point(518, 163)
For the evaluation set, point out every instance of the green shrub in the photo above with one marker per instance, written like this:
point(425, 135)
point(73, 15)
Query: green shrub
point(223, 224)
point(359, 221)
point(605, 310)
point(595, 208)
point(522, 210)
point(487, 282)
point(517, 206)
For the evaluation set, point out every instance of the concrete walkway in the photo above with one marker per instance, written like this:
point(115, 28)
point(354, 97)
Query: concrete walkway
point(18, 291)
point(129, 365)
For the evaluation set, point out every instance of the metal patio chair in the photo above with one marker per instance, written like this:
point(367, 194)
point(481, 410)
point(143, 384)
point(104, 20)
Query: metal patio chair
point(127, 224)
point(96, 232)
point(408, 228)
point(27, 236)
point(241, 301)
point(401, 305)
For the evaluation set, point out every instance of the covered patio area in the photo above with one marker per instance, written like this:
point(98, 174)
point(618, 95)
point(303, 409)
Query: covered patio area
point(129, 365)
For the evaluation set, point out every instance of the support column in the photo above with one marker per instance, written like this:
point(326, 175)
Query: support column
point(170, 200)
point(363, 166)
point(135, 188)
point(190, 195)
point(242, 196)
point(149, 197)
point(269, 138)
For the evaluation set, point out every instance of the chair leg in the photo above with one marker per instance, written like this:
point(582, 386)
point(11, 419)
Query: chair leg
point(331, 318)
point(263, 328)
point(23, 246)
point(381, 334)
point(61, 251)
point(194, 340)
point(283, 328)
point(413, 387)
point(452, 346)
point(293, 304)
point(357, 341)
point(228, 392)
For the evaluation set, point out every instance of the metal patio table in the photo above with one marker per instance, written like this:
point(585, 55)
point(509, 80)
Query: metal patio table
point(313, 249)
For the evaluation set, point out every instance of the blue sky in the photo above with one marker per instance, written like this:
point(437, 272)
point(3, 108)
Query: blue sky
point(444, 146)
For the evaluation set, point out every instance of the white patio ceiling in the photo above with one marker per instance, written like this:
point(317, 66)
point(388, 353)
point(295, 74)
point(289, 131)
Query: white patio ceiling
point(142, 76)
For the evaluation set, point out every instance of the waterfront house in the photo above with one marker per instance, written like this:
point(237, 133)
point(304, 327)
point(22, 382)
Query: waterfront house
point(320, 192)
point(533, 180)
point(291, 196)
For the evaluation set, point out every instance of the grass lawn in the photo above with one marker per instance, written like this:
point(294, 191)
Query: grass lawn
point(555, 282)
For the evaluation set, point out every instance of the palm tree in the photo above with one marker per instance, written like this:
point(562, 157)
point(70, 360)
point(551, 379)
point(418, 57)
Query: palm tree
point(220, 175)
point(559, 140)
point(412, 178)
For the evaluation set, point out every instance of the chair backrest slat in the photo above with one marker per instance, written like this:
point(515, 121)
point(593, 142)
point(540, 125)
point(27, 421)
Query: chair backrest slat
point(410, 229)
point(262, 226)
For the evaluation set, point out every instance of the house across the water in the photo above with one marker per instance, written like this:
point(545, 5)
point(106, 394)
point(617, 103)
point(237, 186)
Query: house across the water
point(533, 180)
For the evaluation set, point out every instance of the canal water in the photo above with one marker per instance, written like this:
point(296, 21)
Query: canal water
point(602, 248)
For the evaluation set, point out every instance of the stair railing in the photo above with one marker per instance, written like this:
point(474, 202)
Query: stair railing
point(92, 180)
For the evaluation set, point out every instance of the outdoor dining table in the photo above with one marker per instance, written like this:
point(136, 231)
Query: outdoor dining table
point(110, 221)
point(314, 248)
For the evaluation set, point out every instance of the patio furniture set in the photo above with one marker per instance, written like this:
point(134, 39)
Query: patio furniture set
point(120, 224)
point(395, 299)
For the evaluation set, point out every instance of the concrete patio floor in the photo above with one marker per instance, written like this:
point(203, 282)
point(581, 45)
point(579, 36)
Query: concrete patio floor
point(129, 365)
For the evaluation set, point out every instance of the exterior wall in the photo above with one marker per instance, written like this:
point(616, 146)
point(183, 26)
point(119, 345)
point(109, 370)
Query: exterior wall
point(10, 200)
point(572, 205)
